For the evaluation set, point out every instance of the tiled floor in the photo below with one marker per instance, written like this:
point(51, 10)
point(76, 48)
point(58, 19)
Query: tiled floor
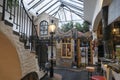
point(71, 74)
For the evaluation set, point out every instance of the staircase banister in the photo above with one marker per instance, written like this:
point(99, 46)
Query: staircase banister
point(29, 18)
point(25, 10)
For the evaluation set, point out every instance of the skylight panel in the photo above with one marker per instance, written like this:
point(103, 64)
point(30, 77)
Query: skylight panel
point(48, 7)
point(66, 14)
point(72, 4)
point(76, 17)
point(72, 9)
point(77, 2)
point(54, 8)
point(43, 5)
point(38, 3)
point(27, 1)
point(30, 1)
point(75, 12)
point(34, 2)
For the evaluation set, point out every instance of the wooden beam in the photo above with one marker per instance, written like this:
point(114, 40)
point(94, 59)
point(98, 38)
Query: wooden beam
point(78, 53)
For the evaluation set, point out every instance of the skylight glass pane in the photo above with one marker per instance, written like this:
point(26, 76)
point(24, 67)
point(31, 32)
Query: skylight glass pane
point(74, 2)
point(68, 16)
point(56, 6)
point(76, 10)
point(34, 2)
point(76, 17)
point(27, 1)
point(57, 16)
point(72, 9)
point(46, 2)
point(52, 13)
point(47, 6)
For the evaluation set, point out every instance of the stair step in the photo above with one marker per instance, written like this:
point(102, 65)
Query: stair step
point(8, 23)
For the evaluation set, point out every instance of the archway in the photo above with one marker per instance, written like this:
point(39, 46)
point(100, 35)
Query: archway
point(9, 61)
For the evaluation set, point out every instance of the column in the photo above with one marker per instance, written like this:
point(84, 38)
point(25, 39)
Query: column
point(107, 36)
point(91, 53)
point(78, 53)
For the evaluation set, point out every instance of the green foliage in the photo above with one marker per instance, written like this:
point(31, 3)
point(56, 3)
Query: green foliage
point(85, 26)
point(67, 27)
point(80, 27)
point(12, 3)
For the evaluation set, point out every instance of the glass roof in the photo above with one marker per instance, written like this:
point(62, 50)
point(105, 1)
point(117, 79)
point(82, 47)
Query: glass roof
point(64, 10)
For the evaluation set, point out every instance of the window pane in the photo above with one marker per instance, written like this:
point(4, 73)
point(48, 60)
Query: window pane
point(43, 27)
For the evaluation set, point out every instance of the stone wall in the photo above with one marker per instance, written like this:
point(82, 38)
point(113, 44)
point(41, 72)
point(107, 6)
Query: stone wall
point(28, 61)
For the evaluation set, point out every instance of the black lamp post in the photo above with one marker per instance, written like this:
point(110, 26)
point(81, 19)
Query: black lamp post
point(52, 28)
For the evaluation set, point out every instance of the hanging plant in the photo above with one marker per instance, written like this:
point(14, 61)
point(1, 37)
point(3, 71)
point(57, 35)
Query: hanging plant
point(11, 3)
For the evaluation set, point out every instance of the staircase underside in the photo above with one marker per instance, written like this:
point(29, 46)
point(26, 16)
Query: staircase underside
point(27, 61)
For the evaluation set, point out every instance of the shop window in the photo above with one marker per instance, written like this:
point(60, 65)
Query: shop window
point(116, 28)
point(66, 48)
point(43, 28)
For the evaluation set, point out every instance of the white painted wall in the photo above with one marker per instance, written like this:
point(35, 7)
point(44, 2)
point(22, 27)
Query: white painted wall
point(89, 8)
point(97, 10)
point(114, 11)
point(1, 2)
point(92, 9)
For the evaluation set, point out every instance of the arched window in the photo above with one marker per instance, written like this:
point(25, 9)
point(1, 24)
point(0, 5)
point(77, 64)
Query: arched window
point(43, 27)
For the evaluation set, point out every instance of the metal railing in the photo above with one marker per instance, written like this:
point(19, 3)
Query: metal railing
point(23, 23)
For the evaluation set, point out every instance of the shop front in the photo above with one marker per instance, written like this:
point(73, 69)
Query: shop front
point(68, 49)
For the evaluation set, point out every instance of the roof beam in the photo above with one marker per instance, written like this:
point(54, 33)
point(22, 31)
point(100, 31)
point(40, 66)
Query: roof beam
point(77, 2)
point(59, 16)
point(43, 6)
point(36, 4)
point(64, 13)
point(81, 0)
point(54, 9)
point(56, 12)
point(77, 13)
point(74, 12)
point(48, 7)
point(31, 2)
point(72, 5)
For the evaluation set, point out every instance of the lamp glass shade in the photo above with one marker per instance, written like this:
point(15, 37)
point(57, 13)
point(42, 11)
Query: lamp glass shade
point(114, 30)
point(52, 28)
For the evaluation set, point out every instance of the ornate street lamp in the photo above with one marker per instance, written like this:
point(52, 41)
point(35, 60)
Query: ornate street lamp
point(52, 28)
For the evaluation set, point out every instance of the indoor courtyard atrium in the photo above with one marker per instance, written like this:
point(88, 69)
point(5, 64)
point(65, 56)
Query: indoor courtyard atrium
point(59, 40)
